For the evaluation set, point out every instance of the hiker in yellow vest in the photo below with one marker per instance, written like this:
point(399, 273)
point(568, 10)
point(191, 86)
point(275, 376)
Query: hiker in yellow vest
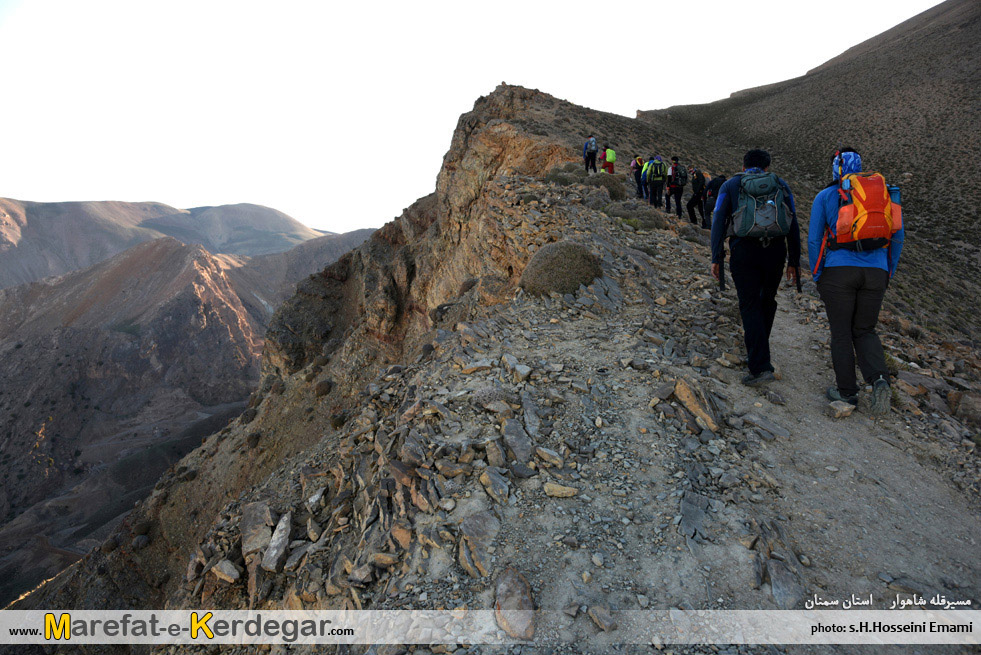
point(609, 159)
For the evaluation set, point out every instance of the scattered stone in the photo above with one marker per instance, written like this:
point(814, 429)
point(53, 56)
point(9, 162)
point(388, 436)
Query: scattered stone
point(275, 554)
point(477, 366)
point(559, 491)
point(226, 571)
point(693, 398)
point(496, 484)
point(783, 585)
point(313, 530)
point(254, 526)
point(602, 618)
point(775, 398)
point(839, 409)
point(514, 606)
point(766, 424)
point(517, 441)
point(550, 456)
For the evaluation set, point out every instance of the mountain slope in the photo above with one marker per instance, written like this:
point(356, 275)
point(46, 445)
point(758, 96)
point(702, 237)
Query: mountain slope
point(263, 282)
point(110, 374)
point(39, 240)
point(908, 101)
point(422, 424)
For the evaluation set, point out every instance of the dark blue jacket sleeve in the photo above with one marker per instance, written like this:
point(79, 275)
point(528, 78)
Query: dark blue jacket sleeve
point(584, 149)
point(720, 216)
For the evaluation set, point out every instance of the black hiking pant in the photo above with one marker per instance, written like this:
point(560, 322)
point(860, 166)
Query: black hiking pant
point(697, 200)
point(641, 191)
point(656, 189)
point(676, 193)
point(756, 271)
point(590, 161)
point(852, 297)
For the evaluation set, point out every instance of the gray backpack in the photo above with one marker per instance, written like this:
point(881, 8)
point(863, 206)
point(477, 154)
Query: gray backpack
point(761, 210)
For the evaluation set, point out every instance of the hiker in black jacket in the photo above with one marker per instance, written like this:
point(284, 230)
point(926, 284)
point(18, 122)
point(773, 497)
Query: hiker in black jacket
point(697, 196)
point(677, 178)
point(711, 195)
point(756, 263)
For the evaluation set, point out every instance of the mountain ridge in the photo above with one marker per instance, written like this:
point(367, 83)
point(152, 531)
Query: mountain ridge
point(38, 240)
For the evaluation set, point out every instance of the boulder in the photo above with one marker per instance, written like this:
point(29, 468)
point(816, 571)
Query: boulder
point(560, 267)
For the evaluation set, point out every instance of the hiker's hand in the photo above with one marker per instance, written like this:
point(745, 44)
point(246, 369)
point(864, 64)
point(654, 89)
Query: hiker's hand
point(715, 271)
point(793, 274)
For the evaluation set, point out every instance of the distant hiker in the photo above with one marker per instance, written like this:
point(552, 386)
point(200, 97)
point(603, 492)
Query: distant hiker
point(711, 193)
point(657, 173)
point(589, 150)
point(697, 195)
point(677, 179)
point(855, 238)
point(608, 157)
point(643, 175)
point(756, 211)
point(637, 166)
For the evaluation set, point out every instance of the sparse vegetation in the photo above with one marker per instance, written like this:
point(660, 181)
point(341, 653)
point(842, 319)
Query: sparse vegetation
point(560, 267)
point(612, 183)
point(637, 215)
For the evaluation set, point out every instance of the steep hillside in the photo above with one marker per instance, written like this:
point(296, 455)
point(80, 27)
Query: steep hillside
point(908, 101)
point(104, 366)
point(422, 424)
point(38, 239)
point(263, 282)
point(111, 374)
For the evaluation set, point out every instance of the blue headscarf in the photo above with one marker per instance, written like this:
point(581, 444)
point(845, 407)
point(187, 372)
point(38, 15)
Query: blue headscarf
point(851, 162)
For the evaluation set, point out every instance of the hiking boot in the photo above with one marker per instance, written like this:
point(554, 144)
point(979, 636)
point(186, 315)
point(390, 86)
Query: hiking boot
point(751, 380)
point(881, 397)
point(833, 394)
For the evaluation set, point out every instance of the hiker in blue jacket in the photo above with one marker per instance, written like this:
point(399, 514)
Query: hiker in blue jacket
point(756, 265)
point(589, 150)
point(852, 284)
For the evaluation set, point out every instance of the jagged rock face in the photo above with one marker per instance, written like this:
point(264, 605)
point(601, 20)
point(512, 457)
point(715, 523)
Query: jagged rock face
point(386, 289)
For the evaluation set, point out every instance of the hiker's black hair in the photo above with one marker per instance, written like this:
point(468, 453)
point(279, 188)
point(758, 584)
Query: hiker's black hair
point(756, 158)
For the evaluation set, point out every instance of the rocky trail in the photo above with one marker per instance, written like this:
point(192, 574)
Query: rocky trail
point(600, 445)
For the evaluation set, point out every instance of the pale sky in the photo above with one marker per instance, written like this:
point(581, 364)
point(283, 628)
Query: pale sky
point(339, 113)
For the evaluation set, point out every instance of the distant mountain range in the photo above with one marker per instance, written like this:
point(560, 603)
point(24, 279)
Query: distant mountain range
point(41, 239)
point(112, 372)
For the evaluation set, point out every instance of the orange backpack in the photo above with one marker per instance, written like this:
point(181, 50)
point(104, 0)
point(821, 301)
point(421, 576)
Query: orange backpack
point(867, 215)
